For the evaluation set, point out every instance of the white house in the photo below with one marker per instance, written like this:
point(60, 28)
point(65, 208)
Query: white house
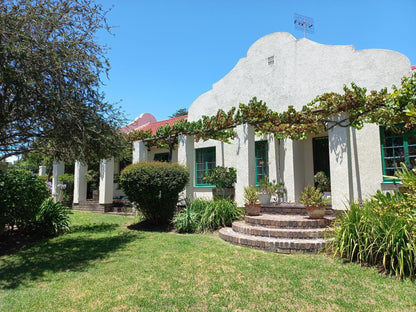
point(283, 71)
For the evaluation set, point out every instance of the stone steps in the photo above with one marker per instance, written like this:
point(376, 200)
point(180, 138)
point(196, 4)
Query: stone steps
point(288, 221)
point(91, 206)
point(280, 245)
point(280, 229)
point(309, 233)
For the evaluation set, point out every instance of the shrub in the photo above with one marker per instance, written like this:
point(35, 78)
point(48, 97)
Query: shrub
point(53, 218)
point(203, 215)
point(217, 214)
point(382, 231)
point(21, 194)
point(222, 177)
point(186, 221)
point(377, 236)
point(154, 187)
point(68, 180)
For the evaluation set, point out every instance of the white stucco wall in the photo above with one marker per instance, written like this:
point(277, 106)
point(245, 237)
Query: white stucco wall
point(303, 69)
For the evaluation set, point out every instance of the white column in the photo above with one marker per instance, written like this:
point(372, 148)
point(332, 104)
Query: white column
point(42, 171)
point(139, 152)
point(246, 161)
point(274, 159)
point(340, 160)
point(58, 170)
point(80, 184)
point(106, 181)
point(186, 157)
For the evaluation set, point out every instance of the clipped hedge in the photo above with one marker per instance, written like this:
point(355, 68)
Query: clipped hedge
point(154, 187)
point(21, 195)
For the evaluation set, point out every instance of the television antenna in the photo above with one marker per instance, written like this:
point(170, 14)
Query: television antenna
point(304, 23)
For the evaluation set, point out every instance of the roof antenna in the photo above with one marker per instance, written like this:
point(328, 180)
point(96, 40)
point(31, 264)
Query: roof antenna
point(304, 23)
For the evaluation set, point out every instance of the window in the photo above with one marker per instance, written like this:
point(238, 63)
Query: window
point(397, 148)
point(262, 161)
point(204, 162)
point(161, 157)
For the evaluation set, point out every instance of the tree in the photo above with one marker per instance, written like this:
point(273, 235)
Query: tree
point(50, 68)
point(180, 112)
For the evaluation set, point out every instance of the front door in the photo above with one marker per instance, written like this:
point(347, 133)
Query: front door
point(321, 155)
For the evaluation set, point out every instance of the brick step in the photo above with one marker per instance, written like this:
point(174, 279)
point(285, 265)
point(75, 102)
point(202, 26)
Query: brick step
point(89, 206)
point(280, 245)
point(288, 221)
point(244, 228)
point(292, 209)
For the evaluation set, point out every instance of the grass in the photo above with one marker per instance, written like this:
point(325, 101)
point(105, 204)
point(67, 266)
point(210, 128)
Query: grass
point(102, 265)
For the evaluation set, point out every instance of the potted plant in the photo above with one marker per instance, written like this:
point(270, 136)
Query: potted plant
point(266, 189)
point(315, 204)
point(322, 182)
point(251, 198)
point(269, 188)
point(280, 192)
point(223, 178)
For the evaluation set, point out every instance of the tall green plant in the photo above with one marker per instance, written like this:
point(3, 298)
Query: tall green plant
point(381, 231)
point(205, 215)
point(53, 218)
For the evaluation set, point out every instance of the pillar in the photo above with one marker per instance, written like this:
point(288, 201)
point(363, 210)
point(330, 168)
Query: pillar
point(58, 170)
point(340, 160)
point(139, 152)
point(106, 183)
point(186, 157)
point(42, 171)
point(80, 184)
point(246, 161)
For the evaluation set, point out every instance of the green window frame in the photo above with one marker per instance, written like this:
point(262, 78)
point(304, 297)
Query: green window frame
point(396, 148)
point(161, 157)
point(205, 160)
point(262, 160)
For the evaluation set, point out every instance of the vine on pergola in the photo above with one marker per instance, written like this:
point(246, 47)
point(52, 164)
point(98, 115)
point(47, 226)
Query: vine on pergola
point(353, 108)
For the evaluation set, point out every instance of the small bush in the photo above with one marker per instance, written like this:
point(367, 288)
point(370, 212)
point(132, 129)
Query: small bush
point(53, 218)
point(21, 194)
point(382, 230)
point(154, 187)
point(217, 214)
point(374, 236)
point(203, 215)
point(186, 221)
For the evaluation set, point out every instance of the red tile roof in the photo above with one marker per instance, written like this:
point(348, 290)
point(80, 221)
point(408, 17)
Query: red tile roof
point(155, 125)
point(413, 67)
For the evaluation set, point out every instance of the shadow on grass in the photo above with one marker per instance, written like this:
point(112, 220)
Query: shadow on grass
point(149, 227)
point(67, 253)
point(93, 228)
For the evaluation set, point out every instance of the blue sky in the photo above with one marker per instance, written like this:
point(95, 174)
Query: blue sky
point(165, 53)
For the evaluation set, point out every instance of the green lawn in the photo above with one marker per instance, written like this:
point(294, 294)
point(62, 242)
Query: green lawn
point(101, 265)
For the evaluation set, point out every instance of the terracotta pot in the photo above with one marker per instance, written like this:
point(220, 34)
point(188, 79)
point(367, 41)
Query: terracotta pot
point(253, 209)
point(223, 193)
point(316, 212)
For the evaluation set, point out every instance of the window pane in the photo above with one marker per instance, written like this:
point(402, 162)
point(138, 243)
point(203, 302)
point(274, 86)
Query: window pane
point(204, 161)
point(261, 160)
